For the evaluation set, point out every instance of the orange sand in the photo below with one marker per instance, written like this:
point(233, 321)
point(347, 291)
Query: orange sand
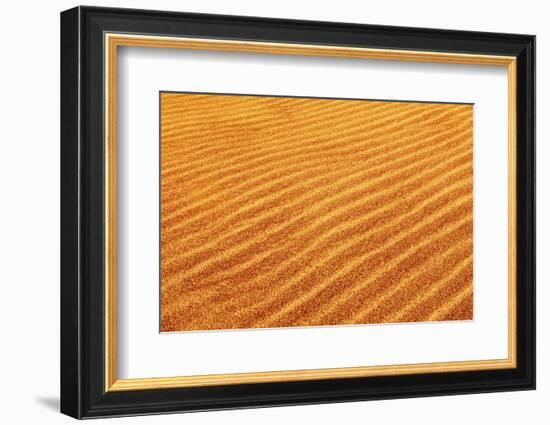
point(283, 212)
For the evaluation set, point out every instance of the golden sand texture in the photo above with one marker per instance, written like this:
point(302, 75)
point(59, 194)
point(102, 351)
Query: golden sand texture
point(280, 211)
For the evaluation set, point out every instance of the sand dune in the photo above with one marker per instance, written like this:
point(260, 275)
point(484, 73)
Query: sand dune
point(281, 212)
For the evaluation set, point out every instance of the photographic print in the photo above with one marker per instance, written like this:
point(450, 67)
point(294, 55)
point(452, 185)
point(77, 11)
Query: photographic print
point(299, 211)
point(263, 212)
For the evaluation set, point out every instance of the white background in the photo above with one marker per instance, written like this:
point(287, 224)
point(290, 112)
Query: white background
point(143, 72)
point(29, 229)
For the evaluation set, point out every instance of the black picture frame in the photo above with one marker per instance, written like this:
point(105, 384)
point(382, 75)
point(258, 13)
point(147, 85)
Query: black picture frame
point(82, 219)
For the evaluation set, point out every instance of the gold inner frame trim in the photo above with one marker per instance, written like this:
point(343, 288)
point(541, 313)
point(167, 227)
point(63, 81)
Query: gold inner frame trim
point(112, 41)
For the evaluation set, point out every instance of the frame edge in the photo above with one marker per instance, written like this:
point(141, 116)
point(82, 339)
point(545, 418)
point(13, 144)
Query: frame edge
point(70, 349)
point(526, 201)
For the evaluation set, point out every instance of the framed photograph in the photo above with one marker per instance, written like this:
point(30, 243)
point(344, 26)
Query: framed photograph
point(260, 212)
